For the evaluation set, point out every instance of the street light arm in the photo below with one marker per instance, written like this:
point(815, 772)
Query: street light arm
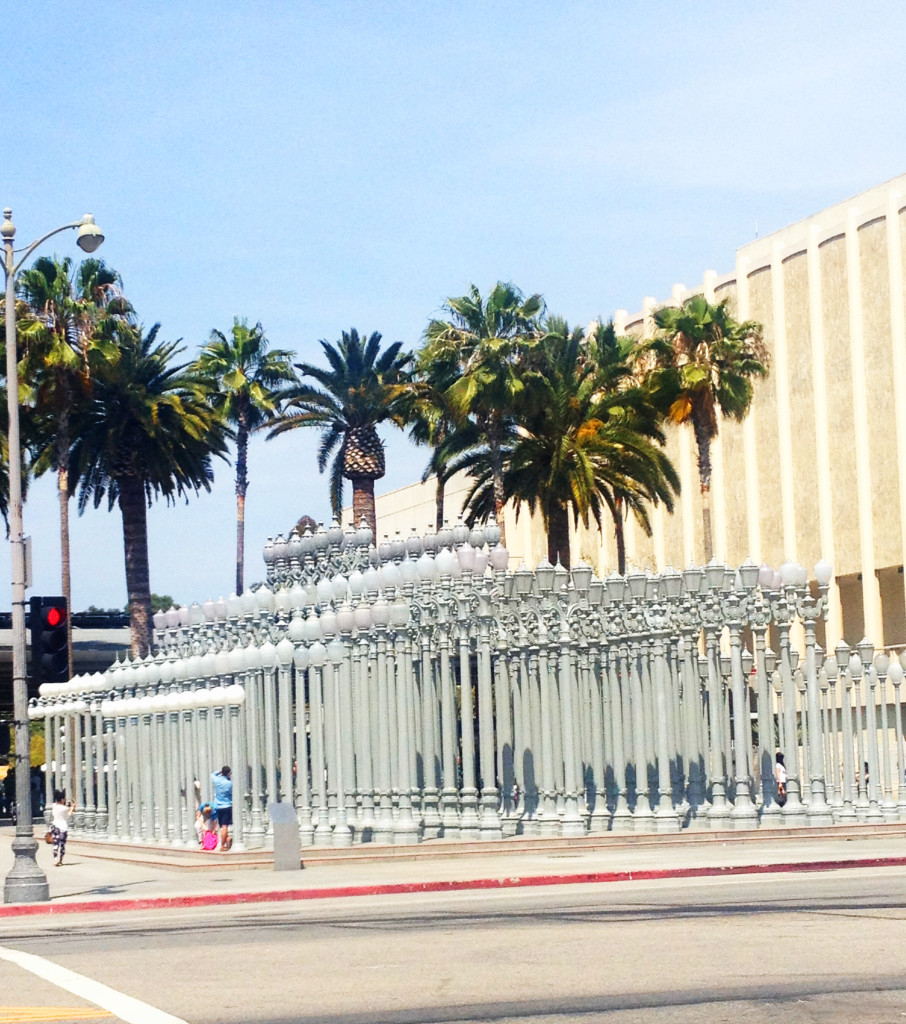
point(40, 241)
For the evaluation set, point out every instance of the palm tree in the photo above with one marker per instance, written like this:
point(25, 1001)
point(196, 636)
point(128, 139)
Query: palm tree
point(247, 385)
point(585, 441)
point(70, 310)
point(705, 361)
point(432, 420)
point(359, 390)
point(148, 430)
point(486, 339)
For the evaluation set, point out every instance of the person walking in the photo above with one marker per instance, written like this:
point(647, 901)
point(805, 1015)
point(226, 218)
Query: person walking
point(60, 813)
point(222, 785)
point(780, 777)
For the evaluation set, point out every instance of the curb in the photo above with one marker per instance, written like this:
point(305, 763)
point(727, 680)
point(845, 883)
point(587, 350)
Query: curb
point(398, 888)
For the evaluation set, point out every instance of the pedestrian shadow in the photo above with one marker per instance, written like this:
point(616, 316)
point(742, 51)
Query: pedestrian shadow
point(123, 889)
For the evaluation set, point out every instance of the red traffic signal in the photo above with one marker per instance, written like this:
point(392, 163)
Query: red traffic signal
point(49, 641)
point(55, 615)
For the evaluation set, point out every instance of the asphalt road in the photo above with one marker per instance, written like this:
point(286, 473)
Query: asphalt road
point(793, 948)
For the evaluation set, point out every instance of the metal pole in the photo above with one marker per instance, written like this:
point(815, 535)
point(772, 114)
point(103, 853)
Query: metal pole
point(26, 882)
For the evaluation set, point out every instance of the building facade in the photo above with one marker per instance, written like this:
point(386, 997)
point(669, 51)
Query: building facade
point(818, 468)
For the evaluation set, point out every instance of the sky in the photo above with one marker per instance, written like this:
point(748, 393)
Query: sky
point(317, 166)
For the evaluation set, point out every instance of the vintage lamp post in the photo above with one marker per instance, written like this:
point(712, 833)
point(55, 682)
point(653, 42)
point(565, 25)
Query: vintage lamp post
point(26, 882)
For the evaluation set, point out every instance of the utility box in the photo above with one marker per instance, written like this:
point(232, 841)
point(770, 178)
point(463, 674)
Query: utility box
point(287, 849)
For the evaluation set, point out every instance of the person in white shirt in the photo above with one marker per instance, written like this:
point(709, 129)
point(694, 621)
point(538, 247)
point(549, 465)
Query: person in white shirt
point(780, 777)
point(60, 813)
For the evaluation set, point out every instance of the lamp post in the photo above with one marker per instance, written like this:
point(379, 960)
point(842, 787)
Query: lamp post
point(25, 883)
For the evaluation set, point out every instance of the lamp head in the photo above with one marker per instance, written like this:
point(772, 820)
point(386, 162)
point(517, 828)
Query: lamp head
point(90, 235)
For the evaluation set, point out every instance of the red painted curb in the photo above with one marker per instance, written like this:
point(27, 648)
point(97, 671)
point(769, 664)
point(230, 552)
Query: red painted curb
point(395, 888)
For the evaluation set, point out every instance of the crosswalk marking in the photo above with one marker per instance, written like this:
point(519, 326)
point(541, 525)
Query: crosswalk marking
point(128, 1009)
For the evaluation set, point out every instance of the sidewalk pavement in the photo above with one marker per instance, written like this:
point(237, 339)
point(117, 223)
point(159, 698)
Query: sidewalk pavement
point(106, 877)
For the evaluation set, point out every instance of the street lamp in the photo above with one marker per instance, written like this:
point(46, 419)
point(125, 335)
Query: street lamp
point(25, 883)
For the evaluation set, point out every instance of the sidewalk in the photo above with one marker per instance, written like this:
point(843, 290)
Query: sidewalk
point(105, 877)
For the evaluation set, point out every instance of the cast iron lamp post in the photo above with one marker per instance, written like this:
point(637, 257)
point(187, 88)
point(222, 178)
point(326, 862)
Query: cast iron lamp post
point(25, 883)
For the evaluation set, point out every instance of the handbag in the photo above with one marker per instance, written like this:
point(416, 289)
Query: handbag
point(48, 837)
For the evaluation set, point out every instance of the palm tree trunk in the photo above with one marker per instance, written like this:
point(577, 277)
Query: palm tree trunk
point(497, 471)
point(363, 503)
point(439, 505)
point(135, 547)
point(558, 537)
point(703, 442)
point(242, 447)
point(619, 532)
point(240, 543)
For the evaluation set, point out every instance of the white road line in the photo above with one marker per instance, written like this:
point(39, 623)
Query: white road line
point(129, 1010)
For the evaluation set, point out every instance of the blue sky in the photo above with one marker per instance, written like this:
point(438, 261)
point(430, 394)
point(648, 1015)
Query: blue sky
point(321, 165)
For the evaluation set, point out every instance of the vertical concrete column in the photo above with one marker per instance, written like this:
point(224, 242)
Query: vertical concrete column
point(449, 813)
point(406, 829)
point(270, 746)
point(688, 475)
point(750, 447)
point(253, 715)
point(347, 735)
point(719, 812)
point(112, 781)
point(469, 823)
point(599, 819)
point(871, 592)
point(550, 825)
point(571, 824)
point(48, 764)
point(834, 629)
point(718, 477)
point(146, 770)
point(88, 819)
point(161, 769)
point(342, 831)
point(238, 761)
point(364, 760)
point(490, 819)
point(99, 762)
point(847, 812)
point(666, 818)
point(529, 750)
point(505, 743)
point(643, 815)
point(187, 767)
point(784, 422)
point(621, 821)
point(322, 836)
point(898, 340)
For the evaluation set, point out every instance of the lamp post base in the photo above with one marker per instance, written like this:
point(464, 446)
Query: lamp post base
point(26, 882)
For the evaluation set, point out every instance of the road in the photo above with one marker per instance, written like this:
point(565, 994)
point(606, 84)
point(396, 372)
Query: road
point(752, 949)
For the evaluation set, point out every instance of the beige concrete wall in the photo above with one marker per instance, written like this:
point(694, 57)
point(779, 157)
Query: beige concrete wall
point(839, 385)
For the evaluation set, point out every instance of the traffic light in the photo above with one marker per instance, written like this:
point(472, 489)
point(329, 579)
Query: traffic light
point(49, 647)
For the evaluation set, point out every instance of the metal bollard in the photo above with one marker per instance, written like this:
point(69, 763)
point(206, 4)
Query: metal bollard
point(287, 849)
